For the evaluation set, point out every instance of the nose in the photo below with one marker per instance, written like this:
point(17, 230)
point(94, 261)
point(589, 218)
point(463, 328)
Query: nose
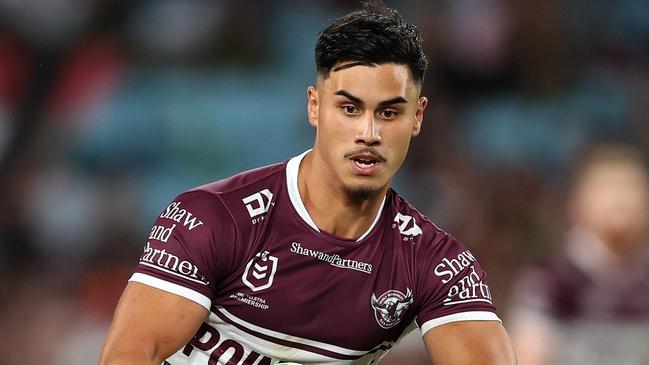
point(369, 133)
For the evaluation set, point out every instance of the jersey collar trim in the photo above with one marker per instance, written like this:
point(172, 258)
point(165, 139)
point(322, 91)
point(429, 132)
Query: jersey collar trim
point(292, 170)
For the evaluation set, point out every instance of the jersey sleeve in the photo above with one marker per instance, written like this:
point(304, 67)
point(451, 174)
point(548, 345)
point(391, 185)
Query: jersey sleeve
point(455, 287)
point(188, 247)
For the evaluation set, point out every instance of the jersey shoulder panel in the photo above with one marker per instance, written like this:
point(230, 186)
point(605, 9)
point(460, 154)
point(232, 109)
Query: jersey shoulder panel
point(249, 195)
point(201, 239)
point(451, 283)
point(411, 222)
point(187, 248)
point(245, 179)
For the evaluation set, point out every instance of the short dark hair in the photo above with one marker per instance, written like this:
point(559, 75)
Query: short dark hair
point(372, 35)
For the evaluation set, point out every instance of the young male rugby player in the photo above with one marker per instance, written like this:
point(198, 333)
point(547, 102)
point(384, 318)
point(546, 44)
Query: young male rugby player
point(315, 260)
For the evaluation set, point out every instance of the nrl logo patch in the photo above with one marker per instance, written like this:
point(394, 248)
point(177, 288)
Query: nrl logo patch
point(260, 271)
point(390, 306)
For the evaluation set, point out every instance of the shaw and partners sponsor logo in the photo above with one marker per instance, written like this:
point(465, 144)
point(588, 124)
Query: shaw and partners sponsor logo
point(407, 226)
point(223, 350)
point(258, 203)
point(260, 271)
point(171, 264)
point(470, 287)
point(390, 306)
point(179, 215)
point(334, 260)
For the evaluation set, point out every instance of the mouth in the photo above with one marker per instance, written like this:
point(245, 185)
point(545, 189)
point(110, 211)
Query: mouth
point(365, 162)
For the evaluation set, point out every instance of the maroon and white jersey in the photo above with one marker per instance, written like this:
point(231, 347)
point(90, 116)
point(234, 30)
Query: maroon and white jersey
point(279, 290)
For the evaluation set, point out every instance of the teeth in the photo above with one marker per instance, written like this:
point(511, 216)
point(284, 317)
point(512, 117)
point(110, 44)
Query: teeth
point(364, 164)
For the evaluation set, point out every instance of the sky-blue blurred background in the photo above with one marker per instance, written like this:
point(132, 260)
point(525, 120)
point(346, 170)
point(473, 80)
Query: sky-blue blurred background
point(108, 109)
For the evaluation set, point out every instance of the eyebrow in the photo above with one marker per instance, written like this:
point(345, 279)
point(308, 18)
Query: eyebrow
point(359, 102)
point(351, 97)
point(395, 100)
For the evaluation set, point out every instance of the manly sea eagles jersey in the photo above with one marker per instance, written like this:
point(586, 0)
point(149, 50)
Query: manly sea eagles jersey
point(279, 290)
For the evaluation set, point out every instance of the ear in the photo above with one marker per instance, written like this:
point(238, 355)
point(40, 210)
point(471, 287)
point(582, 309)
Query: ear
point(419, 115)
point(313, 105)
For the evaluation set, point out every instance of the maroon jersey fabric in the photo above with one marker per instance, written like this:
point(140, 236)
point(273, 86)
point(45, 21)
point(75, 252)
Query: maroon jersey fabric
point(279, 289)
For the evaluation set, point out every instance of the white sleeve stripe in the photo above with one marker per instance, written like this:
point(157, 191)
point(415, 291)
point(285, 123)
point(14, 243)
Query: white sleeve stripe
point(190, 294)
point(457, 317)
point(468, 301)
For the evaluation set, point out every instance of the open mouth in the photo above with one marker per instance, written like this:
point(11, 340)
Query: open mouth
point(364, 163)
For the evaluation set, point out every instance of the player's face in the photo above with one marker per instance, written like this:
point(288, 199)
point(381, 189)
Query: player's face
point(365, 117)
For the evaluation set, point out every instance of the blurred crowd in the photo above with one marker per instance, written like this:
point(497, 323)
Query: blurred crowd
point(534, 153)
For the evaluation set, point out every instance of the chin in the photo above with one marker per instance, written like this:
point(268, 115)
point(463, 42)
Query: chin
point(360, 193)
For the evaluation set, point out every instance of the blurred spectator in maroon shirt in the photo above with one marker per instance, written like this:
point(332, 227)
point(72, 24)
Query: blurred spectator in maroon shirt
point(590, 304)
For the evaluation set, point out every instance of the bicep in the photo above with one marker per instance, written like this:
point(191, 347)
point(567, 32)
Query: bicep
point(469, 342)
point(151, 323)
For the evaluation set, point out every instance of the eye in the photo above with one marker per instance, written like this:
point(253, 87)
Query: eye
point(388, 114)
point(350, 109)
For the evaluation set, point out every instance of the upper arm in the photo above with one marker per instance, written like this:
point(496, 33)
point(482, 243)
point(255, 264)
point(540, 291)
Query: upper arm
point(469, 342)
point(456, 315)
point(150, 325)
point(186, 255)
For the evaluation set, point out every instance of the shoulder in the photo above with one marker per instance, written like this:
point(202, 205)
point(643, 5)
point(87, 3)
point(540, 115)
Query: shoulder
point(219, 204)
point(434, 249)
point(245, 191)
point(450, 285)
point(244, 181)
point(414, 225)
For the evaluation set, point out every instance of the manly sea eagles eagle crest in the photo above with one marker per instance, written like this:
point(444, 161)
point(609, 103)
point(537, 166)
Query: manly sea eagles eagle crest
point(390, 306)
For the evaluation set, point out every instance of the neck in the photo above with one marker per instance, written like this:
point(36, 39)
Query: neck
point(329, 206)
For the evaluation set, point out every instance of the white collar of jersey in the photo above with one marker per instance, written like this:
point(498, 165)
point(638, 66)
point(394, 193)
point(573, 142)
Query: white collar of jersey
point(292, 170)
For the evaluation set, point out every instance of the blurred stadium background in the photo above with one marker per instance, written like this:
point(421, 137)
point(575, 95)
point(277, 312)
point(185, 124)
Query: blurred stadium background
point(108, 109)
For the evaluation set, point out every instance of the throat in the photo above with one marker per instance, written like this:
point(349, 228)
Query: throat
point(345, 217)
point(345, 223)
point(344, 213)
